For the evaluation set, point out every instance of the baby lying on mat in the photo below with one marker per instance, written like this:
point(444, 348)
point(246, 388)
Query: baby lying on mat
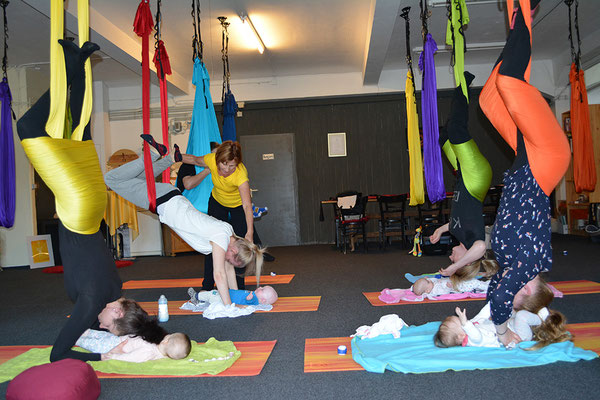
point(480, 331)
point(175, 346)
point(265, 295)
point(439, 286)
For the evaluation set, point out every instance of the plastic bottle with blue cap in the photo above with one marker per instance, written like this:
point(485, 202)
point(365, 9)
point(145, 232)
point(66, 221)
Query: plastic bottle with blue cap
point(163, 309)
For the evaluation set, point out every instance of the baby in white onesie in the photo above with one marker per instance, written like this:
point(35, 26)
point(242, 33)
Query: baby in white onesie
point(440, 286)
point(480, 331)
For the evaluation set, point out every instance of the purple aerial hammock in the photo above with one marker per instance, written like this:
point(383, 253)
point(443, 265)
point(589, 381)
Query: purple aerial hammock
point(432, 156)
point(7, 147)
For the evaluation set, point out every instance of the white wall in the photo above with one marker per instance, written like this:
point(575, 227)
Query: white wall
point(13, 241)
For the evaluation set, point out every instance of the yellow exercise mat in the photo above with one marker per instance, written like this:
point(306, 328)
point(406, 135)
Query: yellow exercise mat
point(283, 304)
point(197, 282)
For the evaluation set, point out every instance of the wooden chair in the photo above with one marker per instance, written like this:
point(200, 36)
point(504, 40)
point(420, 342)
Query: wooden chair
point(392, 219)
point(350, 213)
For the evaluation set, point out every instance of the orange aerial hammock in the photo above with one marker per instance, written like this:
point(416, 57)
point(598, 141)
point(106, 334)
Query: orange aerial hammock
point(511, 103)
point(417, 191)
point(584, 167)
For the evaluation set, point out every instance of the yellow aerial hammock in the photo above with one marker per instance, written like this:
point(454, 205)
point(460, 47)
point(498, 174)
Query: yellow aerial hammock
point(69, 167)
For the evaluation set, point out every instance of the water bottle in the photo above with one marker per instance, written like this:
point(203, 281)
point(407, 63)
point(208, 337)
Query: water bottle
point(163, 309)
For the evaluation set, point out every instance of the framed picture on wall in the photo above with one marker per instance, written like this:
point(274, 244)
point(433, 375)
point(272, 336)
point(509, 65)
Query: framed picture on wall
point(336, 144)
point(40, 251)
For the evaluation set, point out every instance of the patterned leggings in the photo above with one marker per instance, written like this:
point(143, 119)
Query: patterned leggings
point(520, 240)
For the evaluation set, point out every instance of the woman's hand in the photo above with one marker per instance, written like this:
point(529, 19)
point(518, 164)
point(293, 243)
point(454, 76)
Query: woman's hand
point(249, 236)
point(436, 236)
point(508, 337)
point(438, 233)
point(117, 349)
point(449, 270)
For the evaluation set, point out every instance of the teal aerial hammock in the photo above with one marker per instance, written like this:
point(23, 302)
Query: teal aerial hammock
point(204, 128)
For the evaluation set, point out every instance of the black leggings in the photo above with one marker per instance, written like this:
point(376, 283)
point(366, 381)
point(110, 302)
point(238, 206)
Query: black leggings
point(237, 219)
point(91, 282)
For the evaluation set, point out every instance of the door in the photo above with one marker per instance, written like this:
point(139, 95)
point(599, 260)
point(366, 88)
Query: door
point(271, 164)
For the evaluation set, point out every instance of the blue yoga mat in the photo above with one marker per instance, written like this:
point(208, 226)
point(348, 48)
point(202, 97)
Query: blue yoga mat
point(415, 352)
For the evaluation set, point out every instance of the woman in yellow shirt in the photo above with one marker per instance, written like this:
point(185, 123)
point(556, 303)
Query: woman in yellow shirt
point(230, 199)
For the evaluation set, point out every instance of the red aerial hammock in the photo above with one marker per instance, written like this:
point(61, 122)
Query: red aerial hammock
point(163, 68)
point(142, 26)
point(584, 168)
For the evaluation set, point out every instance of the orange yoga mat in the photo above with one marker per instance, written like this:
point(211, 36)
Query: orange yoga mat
point(283, 304)
point(197, 282)
point(253, 359)
point(320, 355)
point(566, 287)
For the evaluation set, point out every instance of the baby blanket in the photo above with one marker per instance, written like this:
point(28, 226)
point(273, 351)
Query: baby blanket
point(414, 352)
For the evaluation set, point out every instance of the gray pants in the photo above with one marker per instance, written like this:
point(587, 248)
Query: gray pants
point(129, 180)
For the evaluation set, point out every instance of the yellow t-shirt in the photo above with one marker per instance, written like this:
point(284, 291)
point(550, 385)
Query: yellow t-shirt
point(226, 190)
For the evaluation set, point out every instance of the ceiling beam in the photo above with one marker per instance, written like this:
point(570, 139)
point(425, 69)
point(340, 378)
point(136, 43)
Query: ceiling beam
point(113, 42)
point(382, 17)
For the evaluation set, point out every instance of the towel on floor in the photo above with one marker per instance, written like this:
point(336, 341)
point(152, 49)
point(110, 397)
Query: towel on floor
point(219, 310)
point(415, 352)
point(388, 324)
point(391, 296)
point(212, 357)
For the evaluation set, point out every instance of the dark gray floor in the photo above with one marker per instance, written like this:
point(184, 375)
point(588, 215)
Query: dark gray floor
point(34, 306)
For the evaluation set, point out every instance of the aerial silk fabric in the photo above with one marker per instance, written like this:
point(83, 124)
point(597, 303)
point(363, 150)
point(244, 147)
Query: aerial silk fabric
point(417, 192)
point(142, 26)
point(204, 130)
point(584, 168)
point(7, 160)
point(459, 9)
point(55, 126)
point(414, 352)
point(163, 68)
point(230, 108)
point(510, 103)
point(475, 169)
point(432, 156)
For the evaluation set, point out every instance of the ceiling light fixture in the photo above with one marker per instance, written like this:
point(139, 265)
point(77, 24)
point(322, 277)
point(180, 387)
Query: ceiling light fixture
point(247, 22)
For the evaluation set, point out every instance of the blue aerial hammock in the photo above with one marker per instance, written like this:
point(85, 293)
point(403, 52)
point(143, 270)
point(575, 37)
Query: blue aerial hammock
point(228, 100)
point(204, 128)
point(7, 146)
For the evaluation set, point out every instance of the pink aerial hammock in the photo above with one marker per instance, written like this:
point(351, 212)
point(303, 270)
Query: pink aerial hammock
point(434, 178)
point(7, 146)
point(417, 192)
point(163, 68)
point(584, 168)
point(142, 26)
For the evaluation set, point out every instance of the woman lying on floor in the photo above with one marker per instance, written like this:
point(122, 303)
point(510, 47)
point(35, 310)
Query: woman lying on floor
point(203, 233)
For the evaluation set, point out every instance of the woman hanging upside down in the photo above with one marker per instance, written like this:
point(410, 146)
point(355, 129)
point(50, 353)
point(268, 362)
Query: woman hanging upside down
point(71, 170)
point(202, 232)
point(474, 177)
point(522, 233)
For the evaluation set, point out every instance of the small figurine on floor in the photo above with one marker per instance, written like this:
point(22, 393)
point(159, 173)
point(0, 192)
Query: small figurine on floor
point(416, 250)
